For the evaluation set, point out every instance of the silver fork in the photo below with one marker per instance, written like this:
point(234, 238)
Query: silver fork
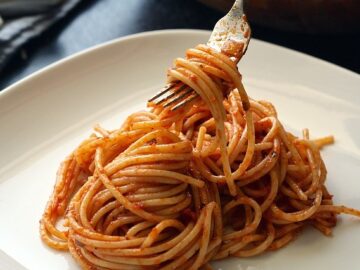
point(231, 35)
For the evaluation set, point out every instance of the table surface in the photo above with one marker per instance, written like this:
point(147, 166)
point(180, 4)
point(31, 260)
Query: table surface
point(97, 21)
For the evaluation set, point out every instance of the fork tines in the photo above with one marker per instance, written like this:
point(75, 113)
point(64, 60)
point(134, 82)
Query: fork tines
point(175, 94)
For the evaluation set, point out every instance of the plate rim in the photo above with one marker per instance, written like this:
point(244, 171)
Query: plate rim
point(63, 61)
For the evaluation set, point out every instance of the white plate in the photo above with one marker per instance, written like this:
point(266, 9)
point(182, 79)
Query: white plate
point(43, 117)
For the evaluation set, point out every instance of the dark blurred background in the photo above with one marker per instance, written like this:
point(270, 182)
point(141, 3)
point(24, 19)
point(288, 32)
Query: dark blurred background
point(32, 39)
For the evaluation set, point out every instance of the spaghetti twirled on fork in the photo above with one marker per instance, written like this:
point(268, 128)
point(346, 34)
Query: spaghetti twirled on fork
point(176, 189)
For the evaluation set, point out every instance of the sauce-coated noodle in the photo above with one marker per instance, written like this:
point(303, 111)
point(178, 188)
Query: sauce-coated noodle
point(174, 190)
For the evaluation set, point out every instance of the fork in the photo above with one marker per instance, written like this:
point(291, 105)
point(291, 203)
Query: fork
point(231, 36)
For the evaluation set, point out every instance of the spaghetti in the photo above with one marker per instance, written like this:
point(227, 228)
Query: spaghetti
point(176, 189)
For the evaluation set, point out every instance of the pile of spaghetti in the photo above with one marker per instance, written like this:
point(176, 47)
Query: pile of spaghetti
point(176, 189)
